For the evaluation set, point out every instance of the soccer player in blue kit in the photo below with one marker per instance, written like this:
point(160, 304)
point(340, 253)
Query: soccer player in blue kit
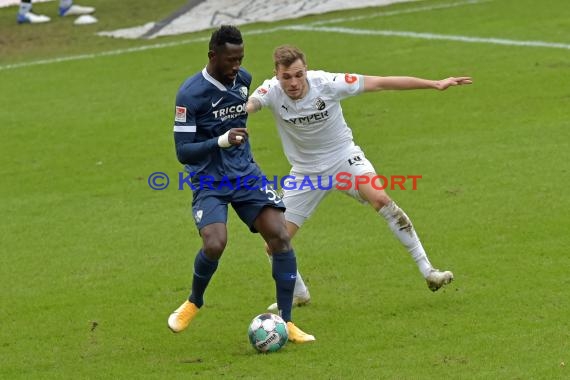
point(212, 141)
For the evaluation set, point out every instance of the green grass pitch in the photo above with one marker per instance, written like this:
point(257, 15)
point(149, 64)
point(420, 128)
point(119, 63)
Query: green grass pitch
point(93, 261)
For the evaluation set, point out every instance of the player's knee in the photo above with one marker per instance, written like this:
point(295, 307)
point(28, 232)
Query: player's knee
point(214, 246)
point(279, 242)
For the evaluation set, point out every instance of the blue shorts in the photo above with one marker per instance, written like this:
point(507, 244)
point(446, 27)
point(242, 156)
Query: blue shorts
point(248, 198)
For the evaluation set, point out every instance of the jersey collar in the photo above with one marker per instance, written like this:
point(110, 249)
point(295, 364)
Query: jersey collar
point(214, 81)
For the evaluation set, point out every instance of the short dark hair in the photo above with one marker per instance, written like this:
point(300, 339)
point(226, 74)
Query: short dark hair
point(225, 34)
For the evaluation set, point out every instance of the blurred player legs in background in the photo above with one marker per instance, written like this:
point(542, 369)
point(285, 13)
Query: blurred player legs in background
point(66, 8)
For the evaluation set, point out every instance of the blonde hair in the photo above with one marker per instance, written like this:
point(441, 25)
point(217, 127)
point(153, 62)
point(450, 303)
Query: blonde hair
point(286, 55)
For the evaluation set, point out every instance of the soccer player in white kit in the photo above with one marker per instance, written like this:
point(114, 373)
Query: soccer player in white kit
point(319, 145)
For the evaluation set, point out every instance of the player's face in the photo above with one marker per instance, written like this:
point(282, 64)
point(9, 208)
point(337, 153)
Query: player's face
point(293, 79)
point(226, 62)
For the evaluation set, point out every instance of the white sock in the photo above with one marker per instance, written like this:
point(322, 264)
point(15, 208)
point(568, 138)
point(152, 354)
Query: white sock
point(65, 3)
point(25, 8)
point(402, 227)
point(300, 287)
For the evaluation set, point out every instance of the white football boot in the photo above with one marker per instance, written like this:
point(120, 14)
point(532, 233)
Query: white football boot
point(32, 18)
point(298, 300)
point(75, 10)
point(436, 279)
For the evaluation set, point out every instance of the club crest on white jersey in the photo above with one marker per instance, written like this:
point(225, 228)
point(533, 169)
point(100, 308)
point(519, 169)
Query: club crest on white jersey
point(319, 104)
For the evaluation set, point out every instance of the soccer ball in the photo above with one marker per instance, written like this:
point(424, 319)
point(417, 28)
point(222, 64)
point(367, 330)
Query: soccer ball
point(268, 332)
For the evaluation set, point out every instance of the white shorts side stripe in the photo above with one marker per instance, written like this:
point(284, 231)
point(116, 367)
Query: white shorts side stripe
point(184, 128)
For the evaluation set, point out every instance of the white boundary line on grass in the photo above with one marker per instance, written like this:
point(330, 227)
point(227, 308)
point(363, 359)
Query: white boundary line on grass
point(311, 27)
point(102, 54)
point(429, 36)
point(124, 51)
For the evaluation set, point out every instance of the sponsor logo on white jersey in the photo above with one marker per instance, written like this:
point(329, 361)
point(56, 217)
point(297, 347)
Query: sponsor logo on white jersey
point(315, 118)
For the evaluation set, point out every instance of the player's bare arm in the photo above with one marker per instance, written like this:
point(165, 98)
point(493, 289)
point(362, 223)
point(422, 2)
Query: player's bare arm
point(253, 105)
point(375, 83)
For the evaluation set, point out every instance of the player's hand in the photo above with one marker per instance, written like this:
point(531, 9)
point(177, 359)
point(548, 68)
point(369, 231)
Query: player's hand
point(452, 81)
point(235, 136)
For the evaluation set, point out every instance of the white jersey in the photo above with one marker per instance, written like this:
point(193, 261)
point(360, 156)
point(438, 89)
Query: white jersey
point(313, 130)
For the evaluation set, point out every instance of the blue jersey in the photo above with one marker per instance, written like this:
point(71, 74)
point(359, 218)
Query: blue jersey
point(205, 110)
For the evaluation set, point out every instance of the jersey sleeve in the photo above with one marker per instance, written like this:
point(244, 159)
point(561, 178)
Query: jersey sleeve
point(188, 151)
point(184, 115)
point(344, 85)
point(265, 93)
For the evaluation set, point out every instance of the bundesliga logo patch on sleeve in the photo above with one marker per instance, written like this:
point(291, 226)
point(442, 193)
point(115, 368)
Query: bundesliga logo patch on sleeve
point(180, 114)
point(348, 78)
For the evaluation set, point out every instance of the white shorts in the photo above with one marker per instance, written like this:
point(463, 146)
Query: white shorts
point(302, 193)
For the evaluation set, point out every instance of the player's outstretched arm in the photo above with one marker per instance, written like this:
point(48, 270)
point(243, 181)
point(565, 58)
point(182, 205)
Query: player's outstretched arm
point(452, 81)
point(374, 83)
